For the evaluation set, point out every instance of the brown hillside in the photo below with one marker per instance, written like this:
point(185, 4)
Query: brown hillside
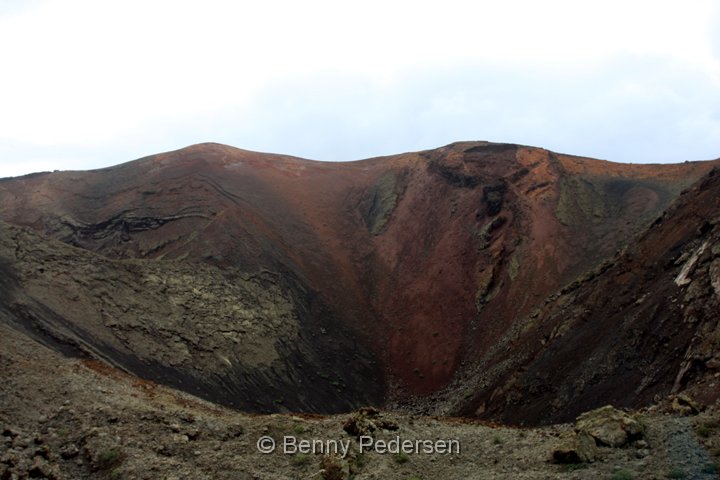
point(399, 276)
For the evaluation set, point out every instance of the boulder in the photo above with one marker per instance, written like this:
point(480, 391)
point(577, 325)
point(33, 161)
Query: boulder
point(581, 448)
point(366, 421)
point(685, 405)
point(609, 426)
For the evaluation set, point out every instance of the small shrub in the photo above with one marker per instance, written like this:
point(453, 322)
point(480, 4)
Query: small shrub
point(677, 473)
point(332, 468)
point(710, 468)
point(300, 459)
point(109, 459)
point(622, 475)
point(497, 440)
point(402, 457)
point(571, 467)
point(299, 429)
point(357, 463)
point(703, 430)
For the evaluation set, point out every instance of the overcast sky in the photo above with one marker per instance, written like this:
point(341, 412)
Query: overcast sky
point(87, 83)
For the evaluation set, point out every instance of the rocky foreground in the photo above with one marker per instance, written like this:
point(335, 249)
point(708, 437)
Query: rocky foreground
point(63, 418)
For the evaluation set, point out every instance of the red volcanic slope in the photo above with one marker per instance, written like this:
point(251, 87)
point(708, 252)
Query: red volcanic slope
point(429, 256)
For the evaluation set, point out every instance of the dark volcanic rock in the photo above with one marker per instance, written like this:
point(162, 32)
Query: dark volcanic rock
point(242, 340)
point(493, 198)
point(644, 324)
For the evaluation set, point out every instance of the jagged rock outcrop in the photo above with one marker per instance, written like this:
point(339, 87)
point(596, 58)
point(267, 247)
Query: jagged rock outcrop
point(642, 325)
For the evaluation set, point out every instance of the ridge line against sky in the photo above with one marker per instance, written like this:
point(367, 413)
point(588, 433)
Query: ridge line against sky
point(91, 84)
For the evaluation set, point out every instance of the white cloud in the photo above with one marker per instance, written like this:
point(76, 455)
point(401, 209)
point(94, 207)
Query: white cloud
point(114, 79)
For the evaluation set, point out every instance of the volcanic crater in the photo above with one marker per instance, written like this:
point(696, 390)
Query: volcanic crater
point(489, 280)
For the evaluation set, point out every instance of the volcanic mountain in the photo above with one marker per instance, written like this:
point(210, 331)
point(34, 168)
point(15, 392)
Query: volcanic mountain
point(482, 279)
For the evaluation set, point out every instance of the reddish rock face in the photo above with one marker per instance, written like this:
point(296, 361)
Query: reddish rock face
point(428, 260)
point(642, 324)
